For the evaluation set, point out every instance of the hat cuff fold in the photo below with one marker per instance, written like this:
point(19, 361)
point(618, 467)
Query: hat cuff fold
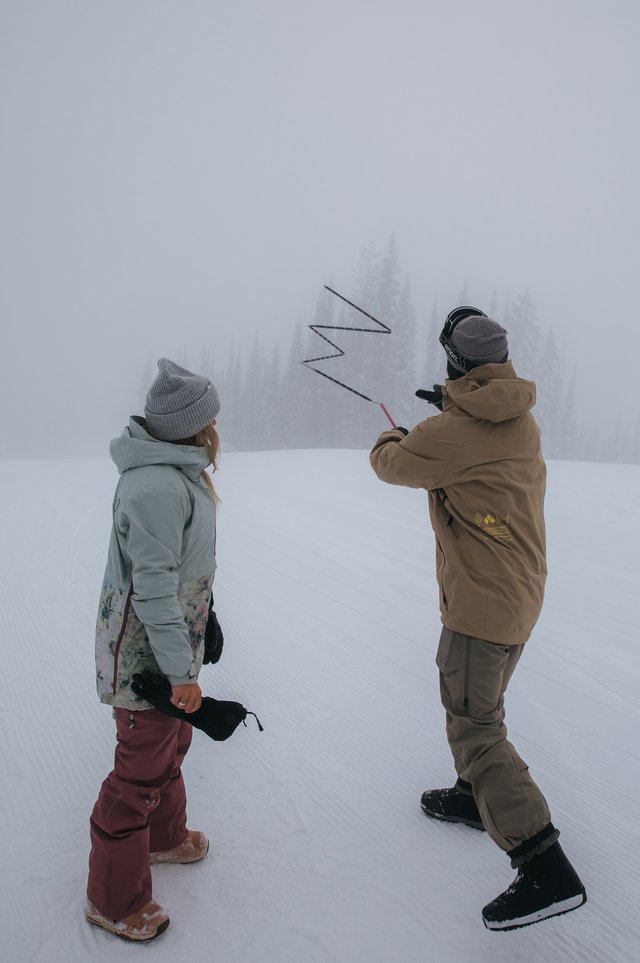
point(176, 425)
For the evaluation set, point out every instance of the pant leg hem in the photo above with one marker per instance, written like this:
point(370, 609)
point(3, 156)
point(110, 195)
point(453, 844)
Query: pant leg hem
point(534, 846)
point(464, 787)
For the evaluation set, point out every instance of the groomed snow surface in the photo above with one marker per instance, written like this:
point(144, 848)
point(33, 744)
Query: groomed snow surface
point(327, 597)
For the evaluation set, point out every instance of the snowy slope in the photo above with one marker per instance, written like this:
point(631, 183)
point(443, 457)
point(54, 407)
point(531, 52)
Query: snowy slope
point(327, 597)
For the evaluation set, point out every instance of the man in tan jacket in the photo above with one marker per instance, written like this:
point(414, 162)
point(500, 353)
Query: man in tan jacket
point(481, 463)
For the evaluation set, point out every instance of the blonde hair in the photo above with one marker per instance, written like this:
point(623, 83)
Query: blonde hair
point(210, 439)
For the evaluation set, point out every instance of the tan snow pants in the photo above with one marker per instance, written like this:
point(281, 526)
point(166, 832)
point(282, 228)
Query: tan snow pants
point(474, 675)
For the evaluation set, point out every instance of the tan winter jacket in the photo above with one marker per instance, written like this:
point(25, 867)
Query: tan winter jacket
point(481, 462)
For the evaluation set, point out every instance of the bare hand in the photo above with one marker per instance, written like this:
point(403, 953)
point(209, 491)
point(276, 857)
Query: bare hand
point(187, 697)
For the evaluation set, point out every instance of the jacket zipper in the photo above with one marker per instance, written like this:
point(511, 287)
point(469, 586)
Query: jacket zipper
point(467, 668)
point(444, 564)
point(123, 627)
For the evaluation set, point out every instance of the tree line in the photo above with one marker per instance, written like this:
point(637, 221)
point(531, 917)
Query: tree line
point(272, 402)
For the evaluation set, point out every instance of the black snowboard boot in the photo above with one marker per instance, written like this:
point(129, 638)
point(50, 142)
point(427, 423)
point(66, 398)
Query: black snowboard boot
point(455, 805)
point(547, 885)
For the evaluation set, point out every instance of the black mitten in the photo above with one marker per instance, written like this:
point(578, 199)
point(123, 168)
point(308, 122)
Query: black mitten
point(433, 397)
point(218, 718)
point(213, 637)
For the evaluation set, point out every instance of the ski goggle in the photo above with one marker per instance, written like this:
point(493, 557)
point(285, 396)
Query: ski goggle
point(453, 318)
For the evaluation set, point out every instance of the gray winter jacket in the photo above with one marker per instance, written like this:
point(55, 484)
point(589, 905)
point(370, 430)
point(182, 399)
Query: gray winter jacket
point(160, 568)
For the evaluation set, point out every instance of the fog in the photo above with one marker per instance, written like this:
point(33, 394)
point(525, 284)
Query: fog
point(180, 172)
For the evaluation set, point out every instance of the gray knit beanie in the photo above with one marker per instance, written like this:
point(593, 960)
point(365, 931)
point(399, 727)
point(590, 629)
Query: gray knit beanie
point(481, 340)
point(179, 403)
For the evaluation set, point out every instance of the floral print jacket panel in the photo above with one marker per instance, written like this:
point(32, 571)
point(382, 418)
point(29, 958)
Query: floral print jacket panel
point(122, 643)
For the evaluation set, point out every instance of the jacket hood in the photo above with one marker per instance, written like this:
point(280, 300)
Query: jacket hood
point(492, 392)
point(136, 448)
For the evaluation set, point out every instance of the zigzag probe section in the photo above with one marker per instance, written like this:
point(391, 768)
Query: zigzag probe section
point(340, 353)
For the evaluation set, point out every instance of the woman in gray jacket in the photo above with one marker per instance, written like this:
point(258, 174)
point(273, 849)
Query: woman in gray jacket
point(152, 615)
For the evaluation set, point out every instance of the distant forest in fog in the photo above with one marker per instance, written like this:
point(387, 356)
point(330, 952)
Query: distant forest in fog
point(273, 402)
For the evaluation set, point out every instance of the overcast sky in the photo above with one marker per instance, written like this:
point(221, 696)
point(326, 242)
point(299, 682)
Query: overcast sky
point(177, 170)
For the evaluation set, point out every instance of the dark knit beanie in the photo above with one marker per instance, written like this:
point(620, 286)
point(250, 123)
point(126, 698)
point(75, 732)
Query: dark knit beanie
point(179, 403)
point(481, 340)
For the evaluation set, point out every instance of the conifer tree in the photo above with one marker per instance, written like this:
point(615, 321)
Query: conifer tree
point(206, 366)
point(525, 336)
point(634, 451)
point(256, 405)
point(232, 403)
point(367, 273)
point(401, 371)
point(549, 392)
point(434, 366)
point(148, 376)
point(568, 441)
point(385, 375)
point(327, 409)
point(363, 367)
point(348, 412)
point(296, 389)
point(272, 401)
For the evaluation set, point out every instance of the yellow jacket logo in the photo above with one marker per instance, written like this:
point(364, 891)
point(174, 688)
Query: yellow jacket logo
point(495, 526)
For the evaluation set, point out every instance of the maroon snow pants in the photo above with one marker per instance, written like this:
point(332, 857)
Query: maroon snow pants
point(141, 809)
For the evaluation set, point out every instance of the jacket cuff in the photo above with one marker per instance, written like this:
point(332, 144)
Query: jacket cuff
point(190, 679)
point(392, 434)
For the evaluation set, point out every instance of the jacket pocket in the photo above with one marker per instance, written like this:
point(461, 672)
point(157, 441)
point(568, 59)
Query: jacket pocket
point(453, 659)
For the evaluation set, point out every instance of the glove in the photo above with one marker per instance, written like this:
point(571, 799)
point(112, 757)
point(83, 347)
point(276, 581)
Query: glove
point(403, 430)
point(217, 718)
point(433, 397)
point(213, 637)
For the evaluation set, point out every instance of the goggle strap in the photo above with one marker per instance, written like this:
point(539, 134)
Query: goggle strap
point(458, 359)
point(453, 318)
